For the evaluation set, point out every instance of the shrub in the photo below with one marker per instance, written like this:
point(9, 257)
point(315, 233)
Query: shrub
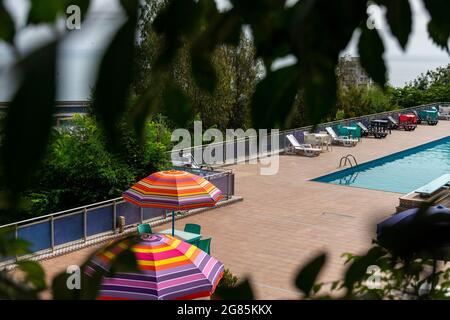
point(78, 169)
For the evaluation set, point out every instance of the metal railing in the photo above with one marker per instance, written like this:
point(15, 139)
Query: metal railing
point(250, 153)
point(78, 225)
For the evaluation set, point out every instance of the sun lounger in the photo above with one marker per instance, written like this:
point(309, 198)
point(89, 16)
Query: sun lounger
point(434, 186)
point(444, 113)
point(344, 140)
point(407, 121)
point(394, 123)
point(305, 149)
point(430, 116)
point(371, 131)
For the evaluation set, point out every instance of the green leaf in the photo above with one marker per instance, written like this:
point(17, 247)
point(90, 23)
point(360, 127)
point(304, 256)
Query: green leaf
point(130, 7)
point(177, 19)
point(44, 11)
point(10, 246)
point(357, 271)
point(439, 24)
point(307, 276)
point(7, 26)
point(34, 273)
point(29, 118)
point(371, 50)
point(11, 289)
point(274, 97)
point(114, 79)
point(203, 71)
point(399, 17)
point(60, 290)
point(335, 22)
point(243, 291)
point(177, 106)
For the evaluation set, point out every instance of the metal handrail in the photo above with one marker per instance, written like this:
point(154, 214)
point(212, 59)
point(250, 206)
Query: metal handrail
point(96, 205)
point(65, 212)
point(308, 128)
point(347, 158)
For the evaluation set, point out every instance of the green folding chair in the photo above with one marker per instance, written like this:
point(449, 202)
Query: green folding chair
point(192, 228)
point(144, 228)
point(205, 245)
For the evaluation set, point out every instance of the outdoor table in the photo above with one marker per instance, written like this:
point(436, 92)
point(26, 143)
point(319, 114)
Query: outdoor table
point(323, 137)
point(189, 237)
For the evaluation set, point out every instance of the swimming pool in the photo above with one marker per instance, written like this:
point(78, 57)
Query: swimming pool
point(400, 172)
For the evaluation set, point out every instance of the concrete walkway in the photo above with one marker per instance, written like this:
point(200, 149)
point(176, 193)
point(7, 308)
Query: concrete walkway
point(285, 219)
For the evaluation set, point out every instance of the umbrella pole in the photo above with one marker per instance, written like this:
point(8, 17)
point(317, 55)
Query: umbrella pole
point(173, 223)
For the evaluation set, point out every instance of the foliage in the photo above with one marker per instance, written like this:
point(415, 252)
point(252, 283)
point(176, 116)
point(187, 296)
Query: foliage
point(32, 277)
point(79, 170)
point(278, 29)
point(383, 272)
point(430, 87)
point(314, 31)
point(357, 101)
point(227, 106)
point(229, 280)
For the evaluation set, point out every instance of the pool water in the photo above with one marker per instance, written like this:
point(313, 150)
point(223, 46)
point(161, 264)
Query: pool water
point(400, 172)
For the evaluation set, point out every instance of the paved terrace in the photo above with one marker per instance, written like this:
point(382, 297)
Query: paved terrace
point(285, 219)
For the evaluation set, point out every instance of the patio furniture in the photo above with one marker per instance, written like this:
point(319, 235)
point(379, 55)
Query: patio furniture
point(193, 228)
point(434, 186)
point(324, 139)
point(371, 131)
point(144, 228)
point(407, 121)
point(351, 131)
point(205, 245)
point(430, 116)
point(295, 147)
point(189, 237)
point(343, 140)
point(380, 125)
point(173, 190)
point(444, 113)
point(168, 269)
point(393, 123)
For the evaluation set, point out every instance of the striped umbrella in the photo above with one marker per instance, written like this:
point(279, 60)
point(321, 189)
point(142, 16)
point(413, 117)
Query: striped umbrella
point(170, 269)
point(173, 190)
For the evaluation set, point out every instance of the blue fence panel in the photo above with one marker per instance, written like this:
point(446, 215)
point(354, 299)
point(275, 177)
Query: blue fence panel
point(69, 228)
point(300, 136)
point(38, 235)
point(100, 220)
point(222, 183)
point(131, 212)
point(150, 213)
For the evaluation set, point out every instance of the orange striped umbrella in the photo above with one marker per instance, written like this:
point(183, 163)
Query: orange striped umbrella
point(173, 190)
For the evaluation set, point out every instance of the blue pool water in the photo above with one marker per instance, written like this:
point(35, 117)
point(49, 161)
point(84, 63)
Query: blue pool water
point(400, 172)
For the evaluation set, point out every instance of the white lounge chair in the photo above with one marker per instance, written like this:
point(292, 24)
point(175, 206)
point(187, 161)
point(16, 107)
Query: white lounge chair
point(305, 149)
point(344, 140)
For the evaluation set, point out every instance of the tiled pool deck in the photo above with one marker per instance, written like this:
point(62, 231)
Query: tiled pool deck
point(285, 219)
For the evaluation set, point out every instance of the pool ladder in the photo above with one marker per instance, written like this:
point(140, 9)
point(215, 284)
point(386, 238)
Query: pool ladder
point(348, 158)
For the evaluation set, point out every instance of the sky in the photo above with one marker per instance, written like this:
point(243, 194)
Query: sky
point(81, 53)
